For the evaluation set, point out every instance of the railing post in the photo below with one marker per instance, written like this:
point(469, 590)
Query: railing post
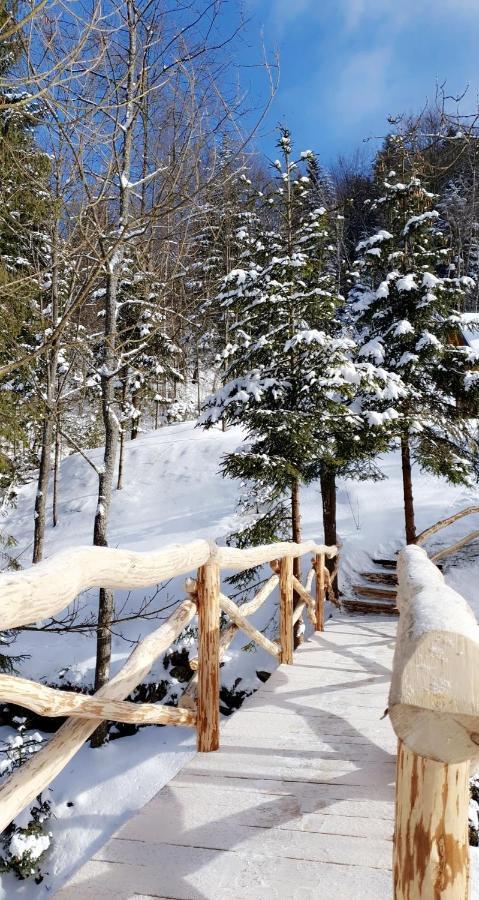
point(286, 609)
point(319, 569)
point(431, 852)
point(208, 712)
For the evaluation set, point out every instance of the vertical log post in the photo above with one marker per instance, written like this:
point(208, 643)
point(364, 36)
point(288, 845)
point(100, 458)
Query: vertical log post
point(286, 609)
point(208, 704)
point(431, 852)
point(318, 563)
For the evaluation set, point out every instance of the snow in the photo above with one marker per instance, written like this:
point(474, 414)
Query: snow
point(378, 238)
point(34, 844)
point(174, 493)
point(437, 606)
point(469, 324)
point(406, 283)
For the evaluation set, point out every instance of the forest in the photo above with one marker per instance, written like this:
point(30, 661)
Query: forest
point(157, 268)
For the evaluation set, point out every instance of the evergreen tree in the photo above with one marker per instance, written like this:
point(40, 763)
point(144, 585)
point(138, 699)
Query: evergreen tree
point(291, 372)
point(25, 204)
point(403, 306)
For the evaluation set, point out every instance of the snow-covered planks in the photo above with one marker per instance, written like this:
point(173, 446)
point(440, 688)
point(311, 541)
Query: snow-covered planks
point(297, 802)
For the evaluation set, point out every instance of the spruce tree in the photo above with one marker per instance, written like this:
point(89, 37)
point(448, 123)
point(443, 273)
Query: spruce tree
point(292, 380)
point(403, 305)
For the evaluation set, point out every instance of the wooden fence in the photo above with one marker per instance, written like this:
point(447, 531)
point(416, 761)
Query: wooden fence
point(444, 523)
point(434, 710)
point(45, 589)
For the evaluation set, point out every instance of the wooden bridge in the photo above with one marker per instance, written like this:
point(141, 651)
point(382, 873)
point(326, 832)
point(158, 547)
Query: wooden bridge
point(299, 800)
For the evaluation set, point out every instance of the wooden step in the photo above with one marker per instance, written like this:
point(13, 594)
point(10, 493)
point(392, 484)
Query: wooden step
point(365, 607)
point(375, 593)
point(385, 578)
point(392, 563)
point(386, 563)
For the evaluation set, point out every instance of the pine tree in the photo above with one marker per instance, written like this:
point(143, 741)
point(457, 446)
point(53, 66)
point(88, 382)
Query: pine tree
point(403, 306)
point(291, 372)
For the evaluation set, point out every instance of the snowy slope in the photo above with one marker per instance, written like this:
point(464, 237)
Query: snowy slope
point(173, 493)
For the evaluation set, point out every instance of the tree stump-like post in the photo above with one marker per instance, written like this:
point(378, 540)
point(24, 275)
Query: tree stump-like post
point(286, 609)
point(208, 703)
point(318, 563)
point(431, 843)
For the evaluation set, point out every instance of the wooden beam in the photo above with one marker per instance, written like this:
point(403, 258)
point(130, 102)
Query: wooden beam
point(48, 587)
point(431, 842)
point(286, 609)
point(308, 601)
point(49, 702)
point(320, 570)
point(208, 712)
point(246, 609)
point(235, 614)
point(443, 523)
point(457, 546)
point(36, 774)
point(234, 558)
point(434, 693)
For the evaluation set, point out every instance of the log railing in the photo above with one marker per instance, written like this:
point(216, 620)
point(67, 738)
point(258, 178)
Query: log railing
point(434, 710)
point(444, 523)
point(42, 591)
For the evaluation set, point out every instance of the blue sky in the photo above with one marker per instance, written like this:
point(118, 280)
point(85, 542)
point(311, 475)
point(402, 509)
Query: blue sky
point(347, 64)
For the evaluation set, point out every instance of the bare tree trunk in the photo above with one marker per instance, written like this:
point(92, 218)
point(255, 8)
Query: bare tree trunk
point(108, 372)
point(42, 487)
point(105, 484)
point(56, 474)
point(407, 489)
point(328, 496)
point(47, 429)
point(119, 484)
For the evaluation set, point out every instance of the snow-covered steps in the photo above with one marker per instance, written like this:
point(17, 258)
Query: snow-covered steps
point(368, 607)
point(384, 578)
point(297, 802)
point(376, 593)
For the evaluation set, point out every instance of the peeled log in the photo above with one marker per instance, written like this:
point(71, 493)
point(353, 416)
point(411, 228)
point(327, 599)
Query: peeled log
point(431, 843)
point(434, 695)
point(40, 769)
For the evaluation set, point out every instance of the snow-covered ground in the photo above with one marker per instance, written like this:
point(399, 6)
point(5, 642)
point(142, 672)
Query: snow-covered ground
point(174, 493)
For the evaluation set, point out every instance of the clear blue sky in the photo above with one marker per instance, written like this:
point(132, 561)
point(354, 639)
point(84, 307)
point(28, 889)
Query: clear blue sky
point(347, 64)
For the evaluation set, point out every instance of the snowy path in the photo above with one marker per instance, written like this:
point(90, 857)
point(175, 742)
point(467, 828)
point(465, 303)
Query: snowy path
point(299, 798)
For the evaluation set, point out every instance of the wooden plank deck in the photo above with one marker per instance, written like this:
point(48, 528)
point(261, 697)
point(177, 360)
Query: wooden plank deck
point(297, 803)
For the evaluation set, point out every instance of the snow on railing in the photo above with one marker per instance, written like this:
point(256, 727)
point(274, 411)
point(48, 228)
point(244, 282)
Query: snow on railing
point(43, 590)
point(434, 710)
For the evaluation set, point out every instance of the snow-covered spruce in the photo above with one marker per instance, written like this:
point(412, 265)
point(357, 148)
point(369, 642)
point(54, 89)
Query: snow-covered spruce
point(293, 379)
point(403, 307)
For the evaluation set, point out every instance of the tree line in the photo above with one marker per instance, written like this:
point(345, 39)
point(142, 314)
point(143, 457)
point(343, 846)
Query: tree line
point(153, 265)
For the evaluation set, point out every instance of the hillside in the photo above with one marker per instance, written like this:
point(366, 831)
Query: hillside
point(173, 493)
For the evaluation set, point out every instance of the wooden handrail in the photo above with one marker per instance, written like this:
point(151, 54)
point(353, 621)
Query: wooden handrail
point(443, 523)
point(45, 589)
point(434, 710)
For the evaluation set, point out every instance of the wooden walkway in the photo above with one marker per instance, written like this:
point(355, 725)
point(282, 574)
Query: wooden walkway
point(298, 802)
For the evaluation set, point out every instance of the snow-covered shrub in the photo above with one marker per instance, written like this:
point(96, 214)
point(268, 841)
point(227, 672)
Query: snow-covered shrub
point(24, 843)
point(24, 848)
point(232, 698)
